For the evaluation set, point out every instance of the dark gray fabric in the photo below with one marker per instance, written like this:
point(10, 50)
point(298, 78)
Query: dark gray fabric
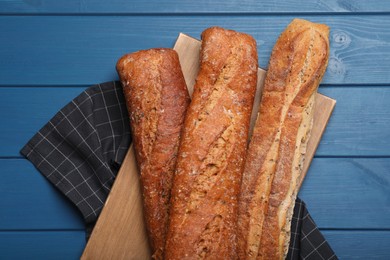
point(82, 147)
point(307, 242)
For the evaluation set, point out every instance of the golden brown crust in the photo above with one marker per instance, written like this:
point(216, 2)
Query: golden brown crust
point(212, 150)
point(277, 148)
point(157, 98)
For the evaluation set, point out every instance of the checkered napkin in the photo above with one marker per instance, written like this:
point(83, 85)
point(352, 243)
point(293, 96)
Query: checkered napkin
point(82, 147)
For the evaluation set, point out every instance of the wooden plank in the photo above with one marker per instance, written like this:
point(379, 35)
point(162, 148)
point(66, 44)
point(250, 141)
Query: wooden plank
point(29, 202)
point(23, 111)
point(348, 244)
point(323, 109)
point(344, 193)
point(351, 244)
point(63, 50)
point(120, 230)
point(348, 192)
point(200, 6)
point(358, 127)
point(42, 245)
point(360, 123)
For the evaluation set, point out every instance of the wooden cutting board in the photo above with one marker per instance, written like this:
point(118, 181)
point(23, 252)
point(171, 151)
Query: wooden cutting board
point(120, 230)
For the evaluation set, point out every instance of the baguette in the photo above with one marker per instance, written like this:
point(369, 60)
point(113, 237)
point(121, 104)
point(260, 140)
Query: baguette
point(278, 145)
point(204, 202)
point(156, 98)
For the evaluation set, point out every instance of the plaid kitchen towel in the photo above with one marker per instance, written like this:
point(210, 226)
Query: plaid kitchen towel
point(82, 147)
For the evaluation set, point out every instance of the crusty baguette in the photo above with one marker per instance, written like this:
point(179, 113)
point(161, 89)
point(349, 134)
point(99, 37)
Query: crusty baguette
point(157, 99)
point(204, 202)
point(277, 149)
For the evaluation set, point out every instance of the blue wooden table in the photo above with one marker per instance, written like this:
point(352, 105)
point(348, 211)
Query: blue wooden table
point(50, 51)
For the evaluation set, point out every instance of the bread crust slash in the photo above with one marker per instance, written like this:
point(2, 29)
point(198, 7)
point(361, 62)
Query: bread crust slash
point(157, 99)
point(204, 202)
point(278, 145)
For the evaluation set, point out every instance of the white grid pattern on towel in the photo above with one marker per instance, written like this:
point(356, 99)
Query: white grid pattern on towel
point(306, 240)
point(77, 149)
point(80, 149)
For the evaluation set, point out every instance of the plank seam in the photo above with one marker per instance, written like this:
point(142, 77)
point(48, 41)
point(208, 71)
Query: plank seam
point(42, 230)
point(356, 229)
point(352, 156)
point(254, 13)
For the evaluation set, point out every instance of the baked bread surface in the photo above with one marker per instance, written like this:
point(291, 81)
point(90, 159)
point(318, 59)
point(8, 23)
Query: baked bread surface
point(157, 99)
point(204, 202)
point(278, 145)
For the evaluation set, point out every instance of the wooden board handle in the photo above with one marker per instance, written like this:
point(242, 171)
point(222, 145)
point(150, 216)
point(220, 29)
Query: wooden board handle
point(120, 230)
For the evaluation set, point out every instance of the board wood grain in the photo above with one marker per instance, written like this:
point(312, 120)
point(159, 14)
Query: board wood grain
point(54, 244)
point(77, 50)
point(359, 244)
point(348, 244)
point(341, 193)
point(120, 232)
point(59, 45)
point(348, 193)
point(358, 127)
point(189, 7)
